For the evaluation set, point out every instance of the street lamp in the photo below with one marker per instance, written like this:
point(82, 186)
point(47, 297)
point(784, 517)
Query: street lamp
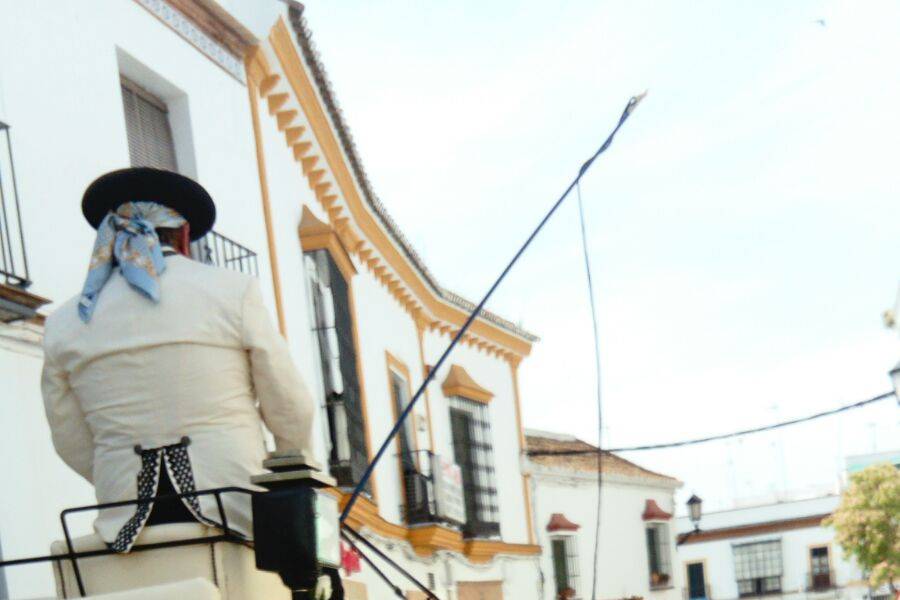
point(895, 379)
point(695, 507)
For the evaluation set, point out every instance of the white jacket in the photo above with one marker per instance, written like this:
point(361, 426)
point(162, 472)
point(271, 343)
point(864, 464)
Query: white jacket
point(205, 362)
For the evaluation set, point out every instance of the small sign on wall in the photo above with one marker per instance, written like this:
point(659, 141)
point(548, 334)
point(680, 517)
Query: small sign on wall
point(448, 490)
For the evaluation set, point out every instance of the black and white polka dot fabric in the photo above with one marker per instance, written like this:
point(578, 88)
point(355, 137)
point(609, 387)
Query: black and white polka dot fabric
point(147, 481)
point(178, 464)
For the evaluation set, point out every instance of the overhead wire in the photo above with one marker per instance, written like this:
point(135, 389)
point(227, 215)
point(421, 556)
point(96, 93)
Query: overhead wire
point(723, 436)
point(367, 474)
point(596, 332)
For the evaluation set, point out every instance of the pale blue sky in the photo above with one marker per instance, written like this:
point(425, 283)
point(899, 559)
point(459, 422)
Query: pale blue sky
point(744, 227)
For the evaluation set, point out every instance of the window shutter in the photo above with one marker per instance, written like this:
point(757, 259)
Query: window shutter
point(150, 142)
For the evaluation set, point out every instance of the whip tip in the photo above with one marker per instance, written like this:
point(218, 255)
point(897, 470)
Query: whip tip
point(635, 100)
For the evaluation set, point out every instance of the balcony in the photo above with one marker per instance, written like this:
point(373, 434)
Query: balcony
point(418, 489)
point(216, 249)
point(16, 303)
point(820, 581)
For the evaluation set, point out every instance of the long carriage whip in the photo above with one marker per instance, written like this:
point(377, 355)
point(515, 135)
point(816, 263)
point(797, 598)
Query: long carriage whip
point(367, 474)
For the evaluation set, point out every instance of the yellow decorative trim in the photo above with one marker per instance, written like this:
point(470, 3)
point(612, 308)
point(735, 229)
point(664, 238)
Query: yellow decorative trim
point(256, 68)
point(427, 539)
point(414, 295)
point(317, 235)
point(420, 333)
point(459, 383)
point(394, 364)
point(526, 488)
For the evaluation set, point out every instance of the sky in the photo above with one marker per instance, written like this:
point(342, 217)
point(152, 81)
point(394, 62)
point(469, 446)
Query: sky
point(743, 228)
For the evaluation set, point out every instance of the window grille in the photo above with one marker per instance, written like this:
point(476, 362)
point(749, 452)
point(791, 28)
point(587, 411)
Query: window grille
point(658, 554)
point(472, 449)
point(334, 330)
point(13, 260)
point(415, 484)
point(757, 567)
point(150, 142)
point(565, 564)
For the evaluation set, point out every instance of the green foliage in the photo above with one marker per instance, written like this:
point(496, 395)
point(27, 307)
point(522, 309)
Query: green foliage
point(867, 522)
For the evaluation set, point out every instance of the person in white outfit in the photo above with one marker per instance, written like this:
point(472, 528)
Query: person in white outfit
point(160, 375)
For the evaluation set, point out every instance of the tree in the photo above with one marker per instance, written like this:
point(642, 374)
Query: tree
point(867, 523)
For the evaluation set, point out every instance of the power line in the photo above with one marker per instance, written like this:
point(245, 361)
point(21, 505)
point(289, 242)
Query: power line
point(367, 474)
point(590, 290)
point(723, 436)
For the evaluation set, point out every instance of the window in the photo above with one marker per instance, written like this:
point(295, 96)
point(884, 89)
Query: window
point(333, 324)
point(820, 568)
point(417, 506)
point(150, 142)
point(565, 565)
point(658, 541)
point(472, 450)
point(13, 261)
point(757, 568)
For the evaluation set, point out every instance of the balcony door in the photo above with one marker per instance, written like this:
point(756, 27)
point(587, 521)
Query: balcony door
point(696, 581)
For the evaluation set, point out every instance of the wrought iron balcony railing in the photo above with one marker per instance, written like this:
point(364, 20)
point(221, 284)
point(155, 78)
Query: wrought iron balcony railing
point(418, 488)
point(820, 581)
point(13, 261)
point(216, 249)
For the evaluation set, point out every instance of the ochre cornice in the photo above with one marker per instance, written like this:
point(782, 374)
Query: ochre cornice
point(317, 235)
point(427, 539)
point(330, 178)
point(459, 383)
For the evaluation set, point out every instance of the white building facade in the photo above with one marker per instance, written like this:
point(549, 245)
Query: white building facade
point(775, 549)
point(232, 93)
point(637, 554)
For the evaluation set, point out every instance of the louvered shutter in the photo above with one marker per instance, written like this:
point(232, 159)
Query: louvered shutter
point(150, 141)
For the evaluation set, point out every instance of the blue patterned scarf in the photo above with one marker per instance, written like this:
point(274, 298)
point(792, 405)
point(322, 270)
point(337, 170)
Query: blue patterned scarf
point(128, 237)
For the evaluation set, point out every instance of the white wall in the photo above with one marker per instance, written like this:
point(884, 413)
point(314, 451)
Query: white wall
point(718, 555)
point(622, 566)
point(59, 90)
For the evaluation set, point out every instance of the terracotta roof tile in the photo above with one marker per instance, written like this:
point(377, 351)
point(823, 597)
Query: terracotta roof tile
point(612, 463)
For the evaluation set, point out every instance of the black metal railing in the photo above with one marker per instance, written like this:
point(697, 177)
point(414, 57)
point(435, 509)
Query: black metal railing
point(820, 581)
point(13, 261)
point(216, 249)
point(227, 535)
point(418, 487)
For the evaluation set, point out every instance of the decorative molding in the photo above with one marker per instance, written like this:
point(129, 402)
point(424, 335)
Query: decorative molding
point(325, 167)
point(208, 28)
point(708, 535)
point(428, 539)
point(459, 383)
point(256, 67)
point(559, 522)
point(317, 235)
point(652, 512)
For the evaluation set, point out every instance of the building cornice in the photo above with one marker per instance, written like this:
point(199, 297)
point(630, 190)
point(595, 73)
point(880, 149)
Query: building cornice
point(295, 103)
point(589, 478)
point(209, 28)
point(426, 540)
point(737, 531)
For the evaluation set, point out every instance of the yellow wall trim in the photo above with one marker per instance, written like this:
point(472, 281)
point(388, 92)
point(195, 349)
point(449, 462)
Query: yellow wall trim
point(410, 289)
point(317, 235)
point(459, 383)
point(428, 539)
point(256, 67)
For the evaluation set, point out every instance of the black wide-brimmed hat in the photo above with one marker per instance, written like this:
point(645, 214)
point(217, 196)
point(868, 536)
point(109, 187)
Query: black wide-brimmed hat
point(145, 184)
